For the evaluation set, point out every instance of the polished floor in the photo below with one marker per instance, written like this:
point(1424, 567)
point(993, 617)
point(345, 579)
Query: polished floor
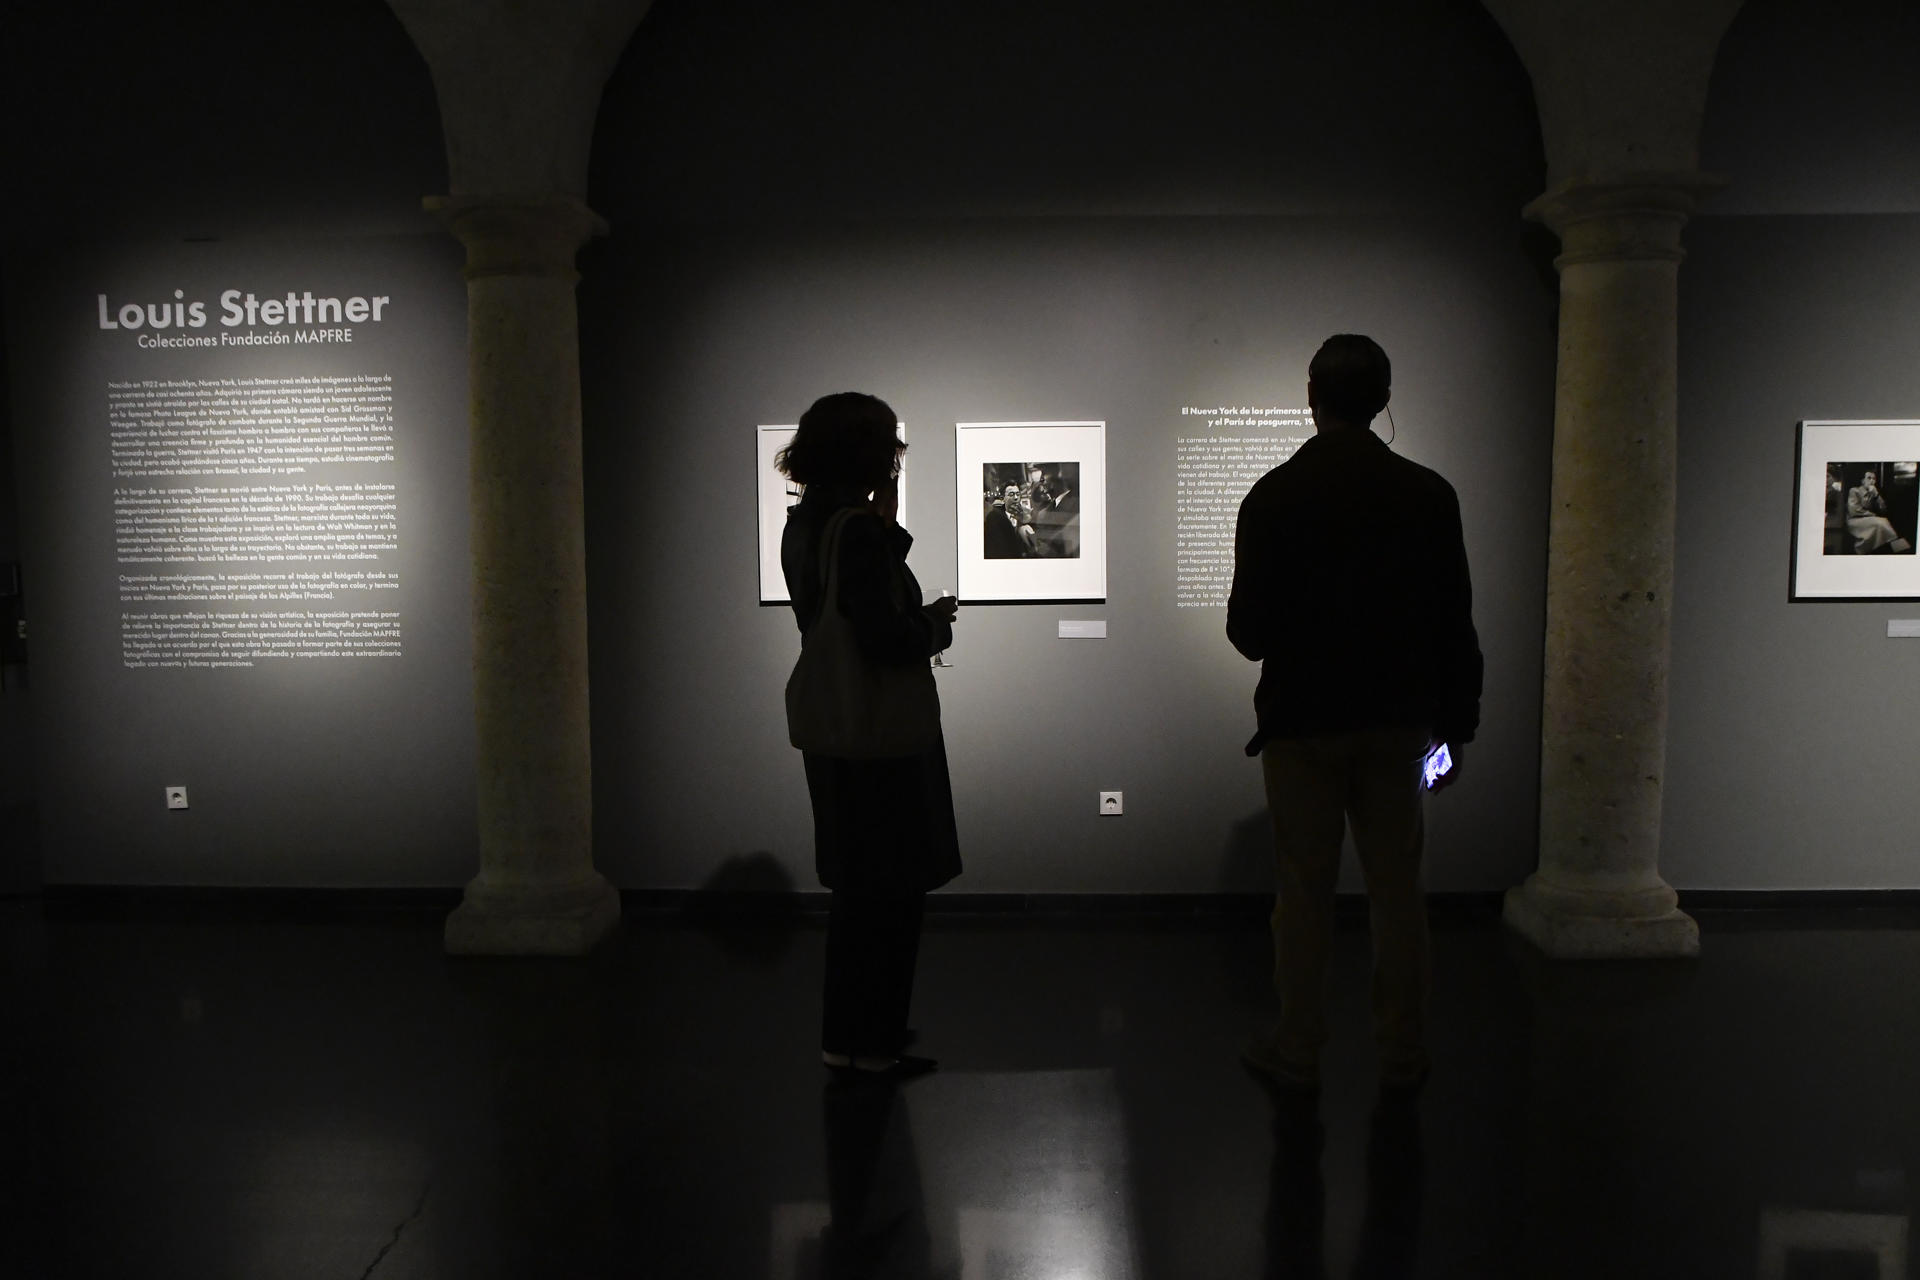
point(271, 1100)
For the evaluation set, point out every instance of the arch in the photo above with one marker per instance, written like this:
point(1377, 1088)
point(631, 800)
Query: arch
point(1813, 108)
point(217, 119)
point(738, 109)
point(518, 86)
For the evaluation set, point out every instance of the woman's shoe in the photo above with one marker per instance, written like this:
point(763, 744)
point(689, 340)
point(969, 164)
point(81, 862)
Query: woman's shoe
point(906, 1066)
point(908, 1039)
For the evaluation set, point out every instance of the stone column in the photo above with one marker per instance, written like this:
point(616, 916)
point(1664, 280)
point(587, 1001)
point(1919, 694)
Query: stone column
point(537, 892)
point(1598, 890)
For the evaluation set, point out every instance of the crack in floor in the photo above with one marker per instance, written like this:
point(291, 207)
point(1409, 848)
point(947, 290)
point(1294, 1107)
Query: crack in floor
point(420, 1207)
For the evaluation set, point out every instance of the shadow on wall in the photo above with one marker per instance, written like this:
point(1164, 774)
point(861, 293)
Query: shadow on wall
point(20, 837)
point(1248, 864)
point(19, 825)
point(1246, 871)
point(736, 904)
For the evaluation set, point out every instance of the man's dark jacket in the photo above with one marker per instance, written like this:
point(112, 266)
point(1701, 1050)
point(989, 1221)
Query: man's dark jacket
point(1350, 585)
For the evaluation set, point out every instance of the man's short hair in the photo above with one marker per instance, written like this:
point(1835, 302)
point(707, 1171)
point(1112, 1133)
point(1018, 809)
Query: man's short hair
point(1351, 377)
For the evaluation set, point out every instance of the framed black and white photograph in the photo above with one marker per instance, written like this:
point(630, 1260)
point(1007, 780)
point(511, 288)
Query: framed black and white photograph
point(1856, 508)
point(1032, 511)
point(776, 494)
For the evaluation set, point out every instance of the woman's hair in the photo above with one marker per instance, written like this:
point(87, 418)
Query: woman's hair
point(847, 439)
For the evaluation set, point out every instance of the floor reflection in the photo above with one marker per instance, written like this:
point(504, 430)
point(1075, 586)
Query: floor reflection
point(322, 1189)
point(1297, 1195)
point(1297, 1190)
point(257, 1098)
point(1396, 1181)
point(1031, 1170)
point(1814, 1244)
point(877, 1215)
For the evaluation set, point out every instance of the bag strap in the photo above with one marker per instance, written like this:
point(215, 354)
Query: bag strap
point(829, 559)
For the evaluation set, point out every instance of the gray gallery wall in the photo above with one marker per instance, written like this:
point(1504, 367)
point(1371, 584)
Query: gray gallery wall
point(1120, 320)
point(1042, 213)
point(1038, 211)
point(1793, 725)
point(15, 704)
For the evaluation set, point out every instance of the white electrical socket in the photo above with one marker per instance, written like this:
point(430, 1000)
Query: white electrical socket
point(176, 797)
point(1110, 802)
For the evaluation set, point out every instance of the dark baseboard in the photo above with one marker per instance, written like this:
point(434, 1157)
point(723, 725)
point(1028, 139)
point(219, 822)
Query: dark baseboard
point(164, 902)
point(184, 903)
point(1730, 910)
point(1723, 908)
point(1032, 906)
point(1797, 899)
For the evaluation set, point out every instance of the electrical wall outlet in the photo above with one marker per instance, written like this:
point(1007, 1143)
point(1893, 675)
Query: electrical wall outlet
point(176, 797)
point(1110, 802)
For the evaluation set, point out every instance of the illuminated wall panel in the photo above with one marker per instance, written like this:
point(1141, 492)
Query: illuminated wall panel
point(243, 476)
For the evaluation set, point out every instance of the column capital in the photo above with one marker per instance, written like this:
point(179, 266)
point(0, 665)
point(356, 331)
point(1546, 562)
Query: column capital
point(518, 235)
point(1622, 217)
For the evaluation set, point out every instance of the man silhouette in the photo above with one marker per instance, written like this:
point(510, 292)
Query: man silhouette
point(1350, 585)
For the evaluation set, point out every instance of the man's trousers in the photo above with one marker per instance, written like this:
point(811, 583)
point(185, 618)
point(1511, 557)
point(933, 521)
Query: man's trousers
point(1316, 787)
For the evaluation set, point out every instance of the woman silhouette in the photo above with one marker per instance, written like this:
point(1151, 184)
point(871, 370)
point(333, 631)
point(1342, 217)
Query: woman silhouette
point(883, 827)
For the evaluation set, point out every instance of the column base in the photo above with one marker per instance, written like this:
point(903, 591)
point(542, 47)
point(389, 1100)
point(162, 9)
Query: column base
point(533, 920)
point(1565, 932)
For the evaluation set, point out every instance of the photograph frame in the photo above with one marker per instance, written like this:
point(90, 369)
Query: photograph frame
point(1829, 560)
point(774, 493)
point(1039, 575)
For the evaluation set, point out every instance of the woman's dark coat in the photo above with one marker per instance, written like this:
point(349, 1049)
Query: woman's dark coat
point(878, 825)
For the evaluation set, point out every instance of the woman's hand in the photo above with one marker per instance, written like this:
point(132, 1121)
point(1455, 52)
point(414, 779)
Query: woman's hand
point(886, 501)
point(943, 610)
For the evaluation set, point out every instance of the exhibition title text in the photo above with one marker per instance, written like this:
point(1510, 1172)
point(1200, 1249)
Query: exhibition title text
point(237, 308)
